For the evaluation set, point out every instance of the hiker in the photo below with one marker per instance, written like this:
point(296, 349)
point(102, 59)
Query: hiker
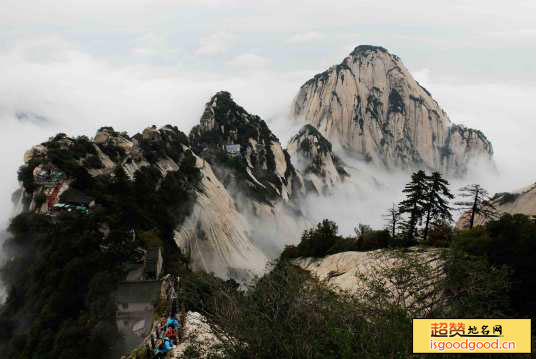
point(160, 352)
point(164, 346)
point(173, 322)
point(168, 343)
point(172, 335)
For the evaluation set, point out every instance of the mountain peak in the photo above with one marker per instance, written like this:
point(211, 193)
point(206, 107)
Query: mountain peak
point(222, 107)
point(224, 122)
point(229, 135)
point(372, 106)
point(221, 96)
point(308, 131)
point(365, 49)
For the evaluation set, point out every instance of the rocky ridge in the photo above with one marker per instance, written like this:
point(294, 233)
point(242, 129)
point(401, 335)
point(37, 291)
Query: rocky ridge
point(349, 272)
point(213, 232)
point(247, 188)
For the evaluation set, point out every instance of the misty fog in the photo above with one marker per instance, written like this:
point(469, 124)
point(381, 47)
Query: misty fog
point(510, 134)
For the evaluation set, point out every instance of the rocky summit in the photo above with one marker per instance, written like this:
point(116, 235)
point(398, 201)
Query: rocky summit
point(372, 106)
point(314, 157)
point(228, 135)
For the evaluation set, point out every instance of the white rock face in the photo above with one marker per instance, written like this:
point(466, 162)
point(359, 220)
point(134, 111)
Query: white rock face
point(371, 105)
point(340, 270)
point(35, 151)
point(522, 201)
point(198, 334)
point(216, 235)
point(345, 272)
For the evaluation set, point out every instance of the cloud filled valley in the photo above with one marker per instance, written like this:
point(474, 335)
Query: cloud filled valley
point(76, 93)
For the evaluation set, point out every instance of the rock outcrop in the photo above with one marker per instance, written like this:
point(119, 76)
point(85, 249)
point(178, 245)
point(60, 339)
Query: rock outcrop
point(314, 158)
point(341, 270)
point(198, 334)
point(522, 201)
point(359, 273)
point(38, 151)
point(371, 105)
point(255, 170)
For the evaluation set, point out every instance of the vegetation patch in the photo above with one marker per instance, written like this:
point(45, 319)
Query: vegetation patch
point(396, 102)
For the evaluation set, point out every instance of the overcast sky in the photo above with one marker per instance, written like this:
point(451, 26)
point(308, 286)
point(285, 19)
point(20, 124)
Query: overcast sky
point(74, 66)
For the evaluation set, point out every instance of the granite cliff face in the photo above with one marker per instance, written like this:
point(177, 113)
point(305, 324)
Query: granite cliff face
point(371, 105)
point(216, 236)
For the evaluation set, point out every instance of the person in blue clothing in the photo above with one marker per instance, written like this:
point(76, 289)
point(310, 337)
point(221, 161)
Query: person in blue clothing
point(168, 343)
point(173, 322)
point(163, 347)
point(160, 350)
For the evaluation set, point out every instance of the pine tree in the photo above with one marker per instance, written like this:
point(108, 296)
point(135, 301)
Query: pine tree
point(413, 205)
point(436, 208)
point(478, 203)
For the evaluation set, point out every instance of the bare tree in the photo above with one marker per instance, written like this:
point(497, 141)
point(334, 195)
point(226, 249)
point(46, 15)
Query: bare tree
point(477, 202)
point(392, 216)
